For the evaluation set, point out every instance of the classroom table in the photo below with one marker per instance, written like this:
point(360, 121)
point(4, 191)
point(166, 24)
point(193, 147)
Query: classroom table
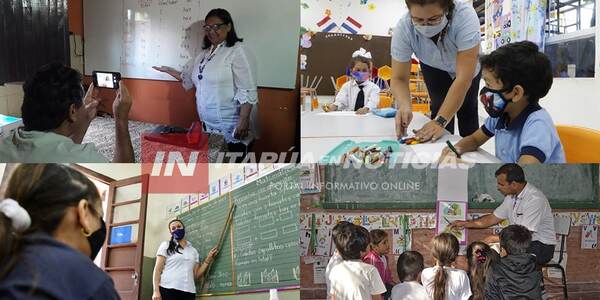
point(320, 132)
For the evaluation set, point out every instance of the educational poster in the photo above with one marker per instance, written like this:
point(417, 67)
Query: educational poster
point(194, 201)
point(305, 221)
point(508, 21)
point(264, 169)
point(185, 203)
point(589, 237)
point(214, 190)
point(225, 182)
point(448, 212)
point(402, 240)
point(237, 178)
point(370, 17)
point(202, 197)
point(304, 243)
point(319, 271)
point(250, 172)
point(323, 242)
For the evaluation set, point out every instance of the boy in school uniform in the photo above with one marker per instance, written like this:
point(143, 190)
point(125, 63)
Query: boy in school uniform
point(409, 267)
point(353, 279)
point(359, 94)
point(516, 275)
point(338, 230)
point(516, 77)
point(56, 113)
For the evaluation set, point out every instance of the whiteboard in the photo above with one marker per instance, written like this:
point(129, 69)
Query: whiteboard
point(131, 36)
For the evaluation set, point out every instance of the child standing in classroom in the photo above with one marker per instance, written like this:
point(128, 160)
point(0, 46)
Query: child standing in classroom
point(516, 77)
point(338, 230)
point(409, 268)
point(358, 94)
point(377, 257)
point(442, 281)
point(480, 258)
point(516, 275)
point(352, 279)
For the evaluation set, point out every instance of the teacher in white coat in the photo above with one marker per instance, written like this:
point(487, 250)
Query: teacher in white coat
point(444, 35)
point(226, 93)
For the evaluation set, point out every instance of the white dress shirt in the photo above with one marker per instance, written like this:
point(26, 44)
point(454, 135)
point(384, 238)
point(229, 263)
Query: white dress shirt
point(531, 209)
point(346, 97)
point(228, 81)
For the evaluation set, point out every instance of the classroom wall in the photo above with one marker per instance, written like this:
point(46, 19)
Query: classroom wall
point(582, 277)
point(376, 17)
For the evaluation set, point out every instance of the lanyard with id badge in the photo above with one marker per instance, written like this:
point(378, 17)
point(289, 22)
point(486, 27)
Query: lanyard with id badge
point(516, 211)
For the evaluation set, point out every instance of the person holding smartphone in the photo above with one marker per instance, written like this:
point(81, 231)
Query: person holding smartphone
point(57, 112)
point(226, 94)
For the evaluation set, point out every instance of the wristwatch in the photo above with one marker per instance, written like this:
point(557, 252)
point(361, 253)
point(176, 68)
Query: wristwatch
point(442, 121)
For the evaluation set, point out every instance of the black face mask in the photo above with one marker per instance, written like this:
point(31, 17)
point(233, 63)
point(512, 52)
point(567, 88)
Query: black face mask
point(96, 239)
point(493, 101)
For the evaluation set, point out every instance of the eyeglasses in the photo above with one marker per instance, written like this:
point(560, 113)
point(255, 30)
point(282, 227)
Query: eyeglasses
point(213, 27)
point(435, 20)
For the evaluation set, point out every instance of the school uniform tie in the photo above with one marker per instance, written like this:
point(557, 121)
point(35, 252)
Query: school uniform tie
point(360, 99)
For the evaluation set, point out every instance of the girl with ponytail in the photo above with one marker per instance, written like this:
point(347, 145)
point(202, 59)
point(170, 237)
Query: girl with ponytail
point(178, 266)
point(481, 258)
point(443, 282)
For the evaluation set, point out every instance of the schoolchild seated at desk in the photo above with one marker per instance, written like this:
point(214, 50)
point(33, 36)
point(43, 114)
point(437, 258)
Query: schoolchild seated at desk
point(358, 94)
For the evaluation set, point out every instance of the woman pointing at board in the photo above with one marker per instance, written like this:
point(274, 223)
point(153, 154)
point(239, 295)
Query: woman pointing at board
point(177, 266)
point(226, 95)
point(445, 37)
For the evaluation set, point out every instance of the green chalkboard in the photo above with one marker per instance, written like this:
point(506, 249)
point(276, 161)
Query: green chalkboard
point(398, 187)
point(261, 247)
point(203, 229)
point(565, 185)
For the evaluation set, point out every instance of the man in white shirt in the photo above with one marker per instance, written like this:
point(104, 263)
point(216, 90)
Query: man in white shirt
point(524, 205)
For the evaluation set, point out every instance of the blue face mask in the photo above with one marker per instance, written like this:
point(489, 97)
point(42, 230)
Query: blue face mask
point(360, 77)
point(493, 101)
point(178, 234)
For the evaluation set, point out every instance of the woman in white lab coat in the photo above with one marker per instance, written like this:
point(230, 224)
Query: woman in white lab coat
point(226, 95)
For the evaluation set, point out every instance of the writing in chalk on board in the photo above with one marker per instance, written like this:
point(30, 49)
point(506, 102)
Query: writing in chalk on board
point(259, 250)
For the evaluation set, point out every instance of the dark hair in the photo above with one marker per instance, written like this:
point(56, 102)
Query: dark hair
point(377, 236)
point(224, 15)
point(409, 265)
point(444, 248)
point(361, 59)
point(515, 239)
point(522, 64)
point(173, 245)
point(481, 258)
point(353, 241)
point(338, 231)
point(48, 95)
point(447, 5)
point(45, 191)
point(513, 172)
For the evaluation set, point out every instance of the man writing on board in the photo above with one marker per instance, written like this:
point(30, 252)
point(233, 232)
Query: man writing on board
point(524, 205)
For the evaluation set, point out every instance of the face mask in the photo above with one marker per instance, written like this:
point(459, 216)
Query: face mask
point(178, 234)
point(360, 76)
point(96, 239)
point(432, 30)
point(493, 101)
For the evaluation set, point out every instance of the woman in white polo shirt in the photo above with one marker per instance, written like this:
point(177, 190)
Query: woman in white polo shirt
point(444, 35)
point(178, 266)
